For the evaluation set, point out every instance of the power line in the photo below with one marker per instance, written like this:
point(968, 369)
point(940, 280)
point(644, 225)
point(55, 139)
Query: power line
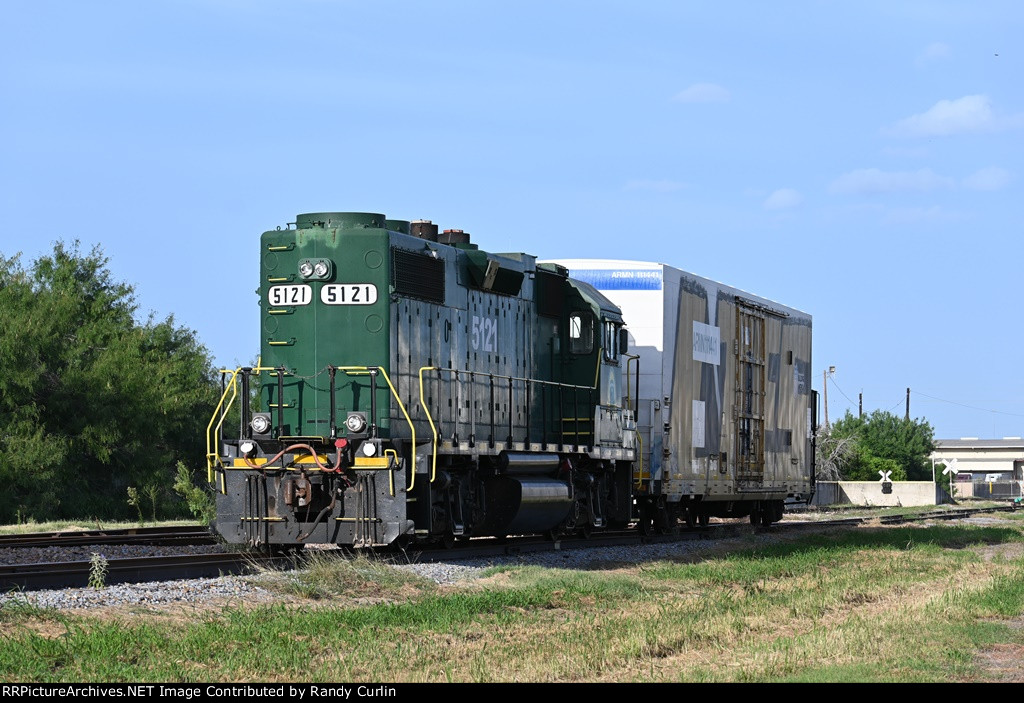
point(841, 391)
point(972, 407)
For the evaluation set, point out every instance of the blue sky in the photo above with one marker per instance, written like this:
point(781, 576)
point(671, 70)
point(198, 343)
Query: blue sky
point(859, 161)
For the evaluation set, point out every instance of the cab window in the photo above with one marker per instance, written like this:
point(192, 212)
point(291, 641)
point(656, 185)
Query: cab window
point(581, 333)
point(610, 341)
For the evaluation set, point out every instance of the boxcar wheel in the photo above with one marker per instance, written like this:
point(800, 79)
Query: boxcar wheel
point(646, 521)
point(691, 518)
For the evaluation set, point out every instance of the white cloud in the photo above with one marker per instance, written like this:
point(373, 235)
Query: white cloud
point(870, 181)
point(933, 52)
point(703, 93)
point(991, 178)
point(657, 186)
point(971, 113)
point(783, 199)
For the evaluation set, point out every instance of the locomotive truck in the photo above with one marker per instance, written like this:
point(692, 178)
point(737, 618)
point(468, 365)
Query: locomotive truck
point(412, 387)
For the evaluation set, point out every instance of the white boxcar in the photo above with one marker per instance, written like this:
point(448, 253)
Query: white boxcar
point(724, 403)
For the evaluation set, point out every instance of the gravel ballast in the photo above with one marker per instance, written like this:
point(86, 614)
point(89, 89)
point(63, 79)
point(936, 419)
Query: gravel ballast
point(239, 589)
point(246, 589)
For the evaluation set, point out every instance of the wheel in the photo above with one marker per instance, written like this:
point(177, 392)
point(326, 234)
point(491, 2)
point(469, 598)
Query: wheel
point(755, 514)
point(283, 550)
point(646, 522)
point(690, 516)
point(703, 519)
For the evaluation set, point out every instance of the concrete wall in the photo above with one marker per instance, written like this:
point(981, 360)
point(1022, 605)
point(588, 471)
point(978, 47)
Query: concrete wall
point(904, 493)
point(963, 489)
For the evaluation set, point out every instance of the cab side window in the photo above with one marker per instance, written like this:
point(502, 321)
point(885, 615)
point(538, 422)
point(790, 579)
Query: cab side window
point(610, 341)
point(581, 333)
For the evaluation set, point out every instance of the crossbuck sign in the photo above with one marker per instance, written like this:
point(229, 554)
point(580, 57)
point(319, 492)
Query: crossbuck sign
point(885, 476)
point(950, 466)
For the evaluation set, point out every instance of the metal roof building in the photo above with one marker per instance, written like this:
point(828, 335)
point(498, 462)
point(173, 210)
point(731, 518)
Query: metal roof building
point(982, 456)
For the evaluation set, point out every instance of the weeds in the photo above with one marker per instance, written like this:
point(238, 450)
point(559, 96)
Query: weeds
point(136, 502)
point(199, 501)
point(326, 575)
point(98, 571)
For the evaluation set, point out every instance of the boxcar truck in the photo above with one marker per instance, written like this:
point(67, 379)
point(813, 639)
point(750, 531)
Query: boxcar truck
point(721, 387)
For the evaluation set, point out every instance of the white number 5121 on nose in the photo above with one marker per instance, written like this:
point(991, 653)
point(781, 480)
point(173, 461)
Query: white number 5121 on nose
point(348, 294)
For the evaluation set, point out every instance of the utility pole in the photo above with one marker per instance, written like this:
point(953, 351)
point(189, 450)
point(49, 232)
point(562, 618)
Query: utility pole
point(824, 384)
point(860, 405)
point(908, 403)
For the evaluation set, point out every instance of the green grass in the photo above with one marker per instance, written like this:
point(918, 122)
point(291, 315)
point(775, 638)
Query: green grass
point(867, 511)
point(905, 604)
point(84, 525)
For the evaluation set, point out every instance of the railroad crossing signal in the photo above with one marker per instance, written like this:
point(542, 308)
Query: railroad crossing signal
point(885, 481)
point(950, 466)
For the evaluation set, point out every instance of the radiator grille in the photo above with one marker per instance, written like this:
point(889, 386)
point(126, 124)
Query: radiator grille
point(418, 275)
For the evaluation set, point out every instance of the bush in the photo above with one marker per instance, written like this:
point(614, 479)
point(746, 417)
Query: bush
point(199, 500)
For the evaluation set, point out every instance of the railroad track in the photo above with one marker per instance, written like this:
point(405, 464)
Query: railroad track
point(954, 514)
point(485, 547)
point(75, 574)
point(140, 569)
point(161, 536)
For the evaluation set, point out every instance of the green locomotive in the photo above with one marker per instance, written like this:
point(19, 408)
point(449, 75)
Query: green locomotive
point(413, 387)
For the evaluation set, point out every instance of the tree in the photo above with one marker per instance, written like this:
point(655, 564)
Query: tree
point(91, 401)
point(885, 442)
point(831, 454)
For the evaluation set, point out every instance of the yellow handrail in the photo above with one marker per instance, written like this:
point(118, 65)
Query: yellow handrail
point(433, 428)
point(214, 457)
point(391, 473)
point(401, 406)
point(639, 459)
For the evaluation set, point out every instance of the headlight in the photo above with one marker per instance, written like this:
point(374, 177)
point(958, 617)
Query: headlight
point(355, 423)
point(321, 269)
point(305, 269)
point(260, 424)
point(369, 448)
